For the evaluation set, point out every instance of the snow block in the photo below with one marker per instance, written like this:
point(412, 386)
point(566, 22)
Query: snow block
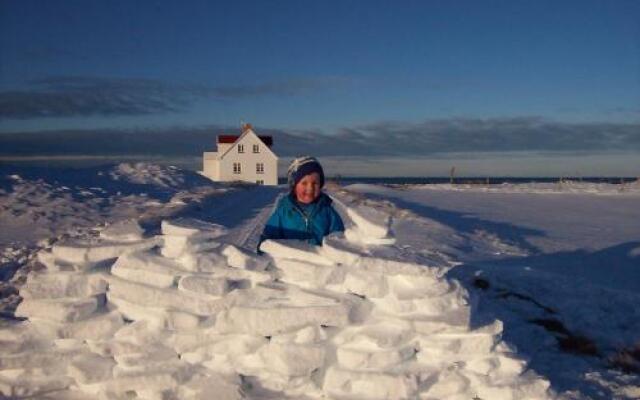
point(140, 333)
point(121, 385)
point(46, 258)
point(365, 283)
point(63, 284)
point(221, 352)
point(109, 348)
point(456, 320)
point(204, 285)
point(242, 259)
point(296, 250)
point(184, 342)
point(148, 269)
point(171, 299)
point(134, 312)
point(390, 267)
point(526, 387)
point(37, 359)
point(336, 248)
point(356, 236)
point(211, 387)
point(236, 274)
point(383, 334)
point(192, 227)
point(204, 262)
point(452, 345)
point(98, 326)
point(24, 336)
point(174, 246)
point(308, 335)
point(181, 321)
point(59, 310)
point(369, 385)
point(291, 359)
point(364, 358)
point(450, 384)
point(415, 286)
point(280, 319)
point(90, 368)
point(420, 307)
point(24, 385)
point(71, 393)
point(180, 242)
point(297, 387)
point(153, 356)
point(123, 231)
point(370, 222)
point(85, 255)
point(95, 327)
point(161, 318)
point(209, 341)
point(533, 389)
point(68, 344)
point(498, 365)
point(309, 274)
point(506, 392)
point(178, 369)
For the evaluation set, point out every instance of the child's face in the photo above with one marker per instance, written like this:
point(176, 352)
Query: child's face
point(308, 188)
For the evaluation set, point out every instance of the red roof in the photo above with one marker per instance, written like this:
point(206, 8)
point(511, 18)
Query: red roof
point(227, 138)
point(268, 140)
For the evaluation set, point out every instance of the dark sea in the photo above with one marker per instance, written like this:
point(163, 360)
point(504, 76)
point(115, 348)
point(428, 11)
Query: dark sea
point(50, 166)
point(469, 180)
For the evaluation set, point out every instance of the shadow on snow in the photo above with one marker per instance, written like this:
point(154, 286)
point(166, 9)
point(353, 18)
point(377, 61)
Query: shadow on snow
point(615, 267)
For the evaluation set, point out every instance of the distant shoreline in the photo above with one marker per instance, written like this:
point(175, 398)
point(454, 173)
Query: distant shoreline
point(11, 163)
point(479, 180)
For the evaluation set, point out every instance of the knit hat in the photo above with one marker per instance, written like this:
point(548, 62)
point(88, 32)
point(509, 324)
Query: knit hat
point(302, 166)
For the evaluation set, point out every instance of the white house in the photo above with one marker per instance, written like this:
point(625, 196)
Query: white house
point(247, 157)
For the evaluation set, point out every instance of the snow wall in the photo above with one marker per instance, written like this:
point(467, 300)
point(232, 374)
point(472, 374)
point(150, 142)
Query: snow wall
point(186, 315)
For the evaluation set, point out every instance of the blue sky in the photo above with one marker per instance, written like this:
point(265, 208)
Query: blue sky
point(328, 68)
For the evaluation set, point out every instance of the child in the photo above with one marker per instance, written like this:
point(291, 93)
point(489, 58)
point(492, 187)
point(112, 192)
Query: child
point(305, 213)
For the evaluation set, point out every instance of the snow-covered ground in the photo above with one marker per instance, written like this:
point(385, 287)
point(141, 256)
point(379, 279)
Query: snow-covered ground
point(559, 264)
point(141, 281)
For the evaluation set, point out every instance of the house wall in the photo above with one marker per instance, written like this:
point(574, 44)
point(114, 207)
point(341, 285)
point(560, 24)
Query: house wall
point(211, 165)
point(222, 147)
point(248, 161)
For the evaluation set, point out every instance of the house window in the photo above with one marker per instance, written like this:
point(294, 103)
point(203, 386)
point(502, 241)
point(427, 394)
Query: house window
point(259, 182)
point(236, 168)
point(259, 168)
point(256, 148)
point(240, 148)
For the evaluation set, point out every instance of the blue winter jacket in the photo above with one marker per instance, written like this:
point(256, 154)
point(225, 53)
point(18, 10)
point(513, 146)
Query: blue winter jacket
point(310, 223)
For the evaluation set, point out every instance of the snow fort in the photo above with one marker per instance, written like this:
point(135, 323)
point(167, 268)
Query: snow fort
point(188, 315)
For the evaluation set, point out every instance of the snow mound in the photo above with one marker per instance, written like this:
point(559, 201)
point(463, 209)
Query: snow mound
point(149, 174)
point(43, 203)
point(184, 315)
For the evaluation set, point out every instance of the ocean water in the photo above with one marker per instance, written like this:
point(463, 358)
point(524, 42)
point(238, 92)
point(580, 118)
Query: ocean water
point(412, 180)
point(51, 165)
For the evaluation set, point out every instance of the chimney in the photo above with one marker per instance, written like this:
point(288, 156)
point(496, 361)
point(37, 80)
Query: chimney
point(245, 127)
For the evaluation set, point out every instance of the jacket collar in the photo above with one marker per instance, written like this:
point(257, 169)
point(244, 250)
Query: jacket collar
point(323, 200)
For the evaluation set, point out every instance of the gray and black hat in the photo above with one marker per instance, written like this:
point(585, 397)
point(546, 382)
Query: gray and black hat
point(302, 166)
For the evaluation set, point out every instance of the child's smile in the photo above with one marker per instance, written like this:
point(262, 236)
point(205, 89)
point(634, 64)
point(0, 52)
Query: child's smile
point(308, 188)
